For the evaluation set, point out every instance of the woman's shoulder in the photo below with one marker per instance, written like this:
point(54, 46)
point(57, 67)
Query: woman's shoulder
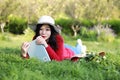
point(59, 37)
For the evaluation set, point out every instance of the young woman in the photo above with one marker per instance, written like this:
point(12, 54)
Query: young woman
point(47, 34)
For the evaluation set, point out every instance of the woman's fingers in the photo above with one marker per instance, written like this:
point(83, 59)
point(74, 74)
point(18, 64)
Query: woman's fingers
point(25, 46)
point(39, 40)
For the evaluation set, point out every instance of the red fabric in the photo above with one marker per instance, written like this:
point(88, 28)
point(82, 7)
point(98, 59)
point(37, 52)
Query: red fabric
point(62, 52)
point(27, 56)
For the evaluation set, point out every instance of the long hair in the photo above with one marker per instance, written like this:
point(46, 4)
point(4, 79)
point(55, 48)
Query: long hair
point(52, 40)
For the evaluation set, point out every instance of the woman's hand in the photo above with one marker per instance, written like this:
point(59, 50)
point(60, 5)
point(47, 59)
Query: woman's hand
point(41, 40)
point(24, 48)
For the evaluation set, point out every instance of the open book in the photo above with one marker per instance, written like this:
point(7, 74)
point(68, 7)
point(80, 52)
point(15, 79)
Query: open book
point(38, 51)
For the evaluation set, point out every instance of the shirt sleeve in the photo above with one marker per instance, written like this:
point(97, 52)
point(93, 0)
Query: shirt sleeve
point(58, 54)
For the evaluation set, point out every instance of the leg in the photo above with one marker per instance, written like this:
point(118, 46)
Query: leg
point(77, 49)
point(71, 48)
point(81, 47)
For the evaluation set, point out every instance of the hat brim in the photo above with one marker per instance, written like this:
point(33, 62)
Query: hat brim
point(33, 26)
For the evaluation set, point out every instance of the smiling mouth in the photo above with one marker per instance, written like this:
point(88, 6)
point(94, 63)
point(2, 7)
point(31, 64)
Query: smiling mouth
point(43, 36)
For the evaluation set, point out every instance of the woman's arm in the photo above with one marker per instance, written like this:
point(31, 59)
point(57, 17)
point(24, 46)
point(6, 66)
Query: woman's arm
point(58, 54)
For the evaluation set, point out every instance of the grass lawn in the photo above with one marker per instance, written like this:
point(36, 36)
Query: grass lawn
point(13, 67)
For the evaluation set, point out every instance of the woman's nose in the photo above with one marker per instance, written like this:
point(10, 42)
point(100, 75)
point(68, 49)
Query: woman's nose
point(43, 31)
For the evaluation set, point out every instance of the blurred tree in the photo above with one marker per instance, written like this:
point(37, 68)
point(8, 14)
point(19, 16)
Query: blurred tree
point(99, 10)
point(7, 7)
point(92, 9)
point(75, 9)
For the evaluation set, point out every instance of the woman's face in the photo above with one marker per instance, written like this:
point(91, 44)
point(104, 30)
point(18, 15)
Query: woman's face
point(45, 31)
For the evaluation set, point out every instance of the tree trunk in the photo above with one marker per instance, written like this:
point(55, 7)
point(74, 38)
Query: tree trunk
point(2, 25)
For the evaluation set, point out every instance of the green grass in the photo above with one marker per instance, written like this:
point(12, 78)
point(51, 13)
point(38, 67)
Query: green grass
point(13, 67)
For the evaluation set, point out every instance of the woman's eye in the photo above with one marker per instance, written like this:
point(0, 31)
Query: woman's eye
point(40, 29)
point(48, 29)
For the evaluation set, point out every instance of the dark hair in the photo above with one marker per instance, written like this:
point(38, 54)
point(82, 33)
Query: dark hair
point(52, 40)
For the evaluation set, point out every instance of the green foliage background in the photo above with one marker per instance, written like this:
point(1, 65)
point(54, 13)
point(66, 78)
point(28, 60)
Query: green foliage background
point(67, 13)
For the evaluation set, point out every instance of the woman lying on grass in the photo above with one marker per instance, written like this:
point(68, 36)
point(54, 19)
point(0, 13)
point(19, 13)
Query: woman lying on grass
point(47, 34)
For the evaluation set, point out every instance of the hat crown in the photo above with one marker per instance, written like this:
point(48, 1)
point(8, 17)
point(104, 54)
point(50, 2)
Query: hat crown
point(46, 19)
